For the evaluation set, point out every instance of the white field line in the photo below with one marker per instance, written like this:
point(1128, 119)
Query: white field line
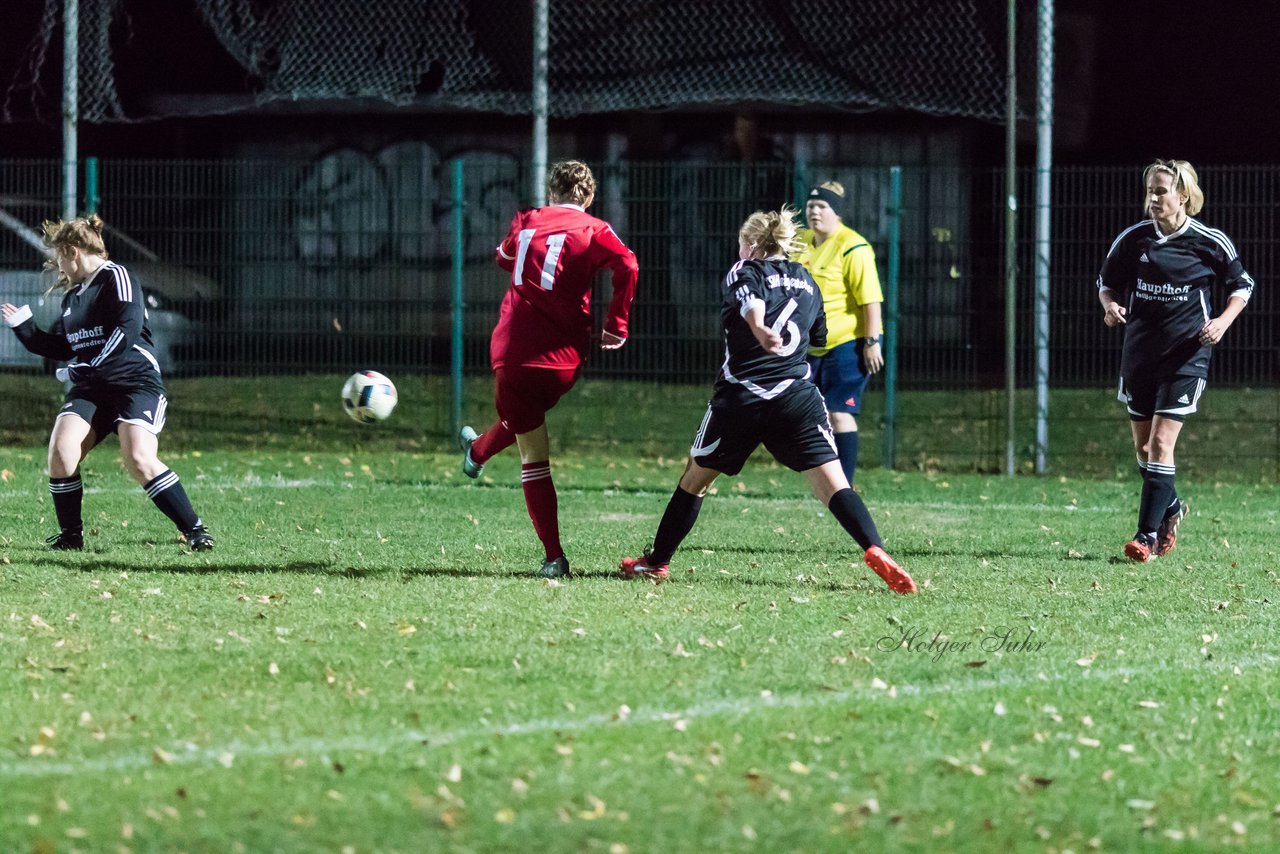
point(228, 753)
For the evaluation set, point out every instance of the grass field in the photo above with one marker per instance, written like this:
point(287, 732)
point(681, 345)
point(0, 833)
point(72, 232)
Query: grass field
point(365, 663)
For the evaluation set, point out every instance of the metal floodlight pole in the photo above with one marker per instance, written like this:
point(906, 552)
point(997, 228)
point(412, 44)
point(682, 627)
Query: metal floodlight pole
point(1044, 163)
point(458, 302)
point(891, 319)
point(541, 14)
point(1011, 241)
point(70, 104)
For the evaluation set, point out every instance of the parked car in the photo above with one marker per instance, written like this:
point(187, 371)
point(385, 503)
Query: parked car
point(24, 282)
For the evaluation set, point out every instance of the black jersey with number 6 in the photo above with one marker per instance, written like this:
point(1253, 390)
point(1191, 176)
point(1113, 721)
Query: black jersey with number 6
point(792, 309)
point(1165, 281)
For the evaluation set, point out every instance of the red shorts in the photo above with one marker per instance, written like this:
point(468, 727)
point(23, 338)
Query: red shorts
point(523, 396)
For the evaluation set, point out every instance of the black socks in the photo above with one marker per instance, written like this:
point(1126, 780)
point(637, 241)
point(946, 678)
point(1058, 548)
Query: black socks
point(852, 514)
point(678, 520)
point(847, 448)
point(68, 496)
point(168, 494)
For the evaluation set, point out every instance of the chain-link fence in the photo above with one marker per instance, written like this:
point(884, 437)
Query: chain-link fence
point(278, 267)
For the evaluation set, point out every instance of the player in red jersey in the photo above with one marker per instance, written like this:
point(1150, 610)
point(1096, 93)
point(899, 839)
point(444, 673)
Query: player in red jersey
point(544, 334)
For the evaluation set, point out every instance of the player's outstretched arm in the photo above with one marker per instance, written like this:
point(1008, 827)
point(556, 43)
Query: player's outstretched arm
point(610, 252)
point(33, 337)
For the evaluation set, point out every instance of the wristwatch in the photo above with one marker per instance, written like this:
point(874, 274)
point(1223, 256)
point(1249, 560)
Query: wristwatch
point(869, 340)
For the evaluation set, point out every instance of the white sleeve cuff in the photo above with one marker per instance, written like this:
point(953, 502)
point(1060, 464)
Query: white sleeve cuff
point(19, 317)
point(1243, 295)
point(751, 303)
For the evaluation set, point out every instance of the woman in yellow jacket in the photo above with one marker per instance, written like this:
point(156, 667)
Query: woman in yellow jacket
point(843, 264)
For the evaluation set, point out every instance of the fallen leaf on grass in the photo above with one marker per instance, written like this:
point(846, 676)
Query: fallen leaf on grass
point(597, 809)
point(757, 782)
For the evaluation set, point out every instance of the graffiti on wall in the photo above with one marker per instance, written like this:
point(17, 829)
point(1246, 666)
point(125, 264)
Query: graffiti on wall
point(354, 207)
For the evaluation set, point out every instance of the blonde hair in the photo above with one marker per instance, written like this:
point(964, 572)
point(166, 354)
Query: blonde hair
point(570, 181)
point(771, 233)
point(83, 233)
point(1185, 182)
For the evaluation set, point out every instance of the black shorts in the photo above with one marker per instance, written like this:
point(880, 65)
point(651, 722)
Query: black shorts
point(104, 410)
point(1173, 397)
point(794, 427)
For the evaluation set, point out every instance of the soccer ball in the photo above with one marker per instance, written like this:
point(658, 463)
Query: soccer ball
point(368, 396)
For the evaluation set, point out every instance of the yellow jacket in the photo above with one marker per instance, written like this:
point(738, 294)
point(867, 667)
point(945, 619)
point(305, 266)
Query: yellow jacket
point(844, 267)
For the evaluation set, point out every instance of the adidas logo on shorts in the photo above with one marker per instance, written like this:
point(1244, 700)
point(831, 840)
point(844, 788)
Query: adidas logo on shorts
point(1184, 399)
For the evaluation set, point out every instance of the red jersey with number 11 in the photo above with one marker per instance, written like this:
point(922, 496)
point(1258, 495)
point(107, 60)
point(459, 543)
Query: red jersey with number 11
point(553, 255)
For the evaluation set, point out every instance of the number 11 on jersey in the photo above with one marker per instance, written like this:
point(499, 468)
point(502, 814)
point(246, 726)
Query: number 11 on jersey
point(547, 276)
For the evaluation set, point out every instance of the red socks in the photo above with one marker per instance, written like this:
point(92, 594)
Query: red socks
point(540, 498)
point(492, 441)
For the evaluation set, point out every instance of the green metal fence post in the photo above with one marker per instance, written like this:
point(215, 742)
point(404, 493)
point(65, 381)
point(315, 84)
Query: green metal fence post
point(91, 196)
point(891, 319)
point(459, 246)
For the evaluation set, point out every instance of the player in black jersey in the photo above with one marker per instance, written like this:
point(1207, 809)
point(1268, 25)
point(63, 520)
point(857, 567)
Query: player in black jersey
point(772, 313)
point(1156, 282)
point(115, 380)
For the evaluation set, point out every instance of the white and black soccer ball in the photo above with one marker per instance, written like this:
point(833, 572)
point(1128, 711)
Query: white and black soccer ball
point(368, 396)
